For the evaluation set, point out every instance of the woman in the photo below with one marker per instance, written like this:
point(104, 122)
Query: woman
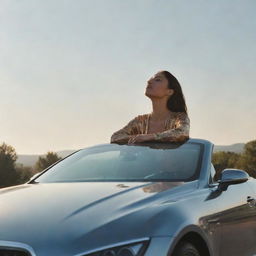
point(167, 122)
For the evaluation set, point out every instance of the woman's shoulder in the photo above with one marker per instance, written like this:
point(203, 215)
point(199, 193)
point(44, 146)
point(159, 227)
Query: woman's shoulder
point(142, 117)
point(139, 118)
point(181, 114)
point(182, 117)
point(178, 115)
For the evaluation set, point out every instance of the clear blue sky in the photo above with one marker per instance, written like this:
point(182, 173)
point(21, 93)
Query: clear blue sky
point(73, 72)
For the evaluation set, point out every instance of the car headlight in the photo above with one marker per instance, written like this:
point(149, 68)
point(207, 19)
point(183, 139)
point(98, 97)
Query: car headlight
point(134, 249)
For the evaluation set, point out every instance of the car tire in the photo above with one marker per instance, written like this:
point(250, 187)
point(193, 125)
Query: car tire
point(186, 249)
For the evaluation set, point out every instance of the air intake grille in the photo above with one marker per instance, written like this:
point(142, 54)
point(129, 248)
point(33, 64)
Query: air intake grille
point(10, 252)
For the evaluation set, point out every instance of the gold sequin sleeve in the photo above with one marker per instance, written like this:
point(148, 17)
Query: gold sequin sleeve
point(179, 132)
point(124, 134)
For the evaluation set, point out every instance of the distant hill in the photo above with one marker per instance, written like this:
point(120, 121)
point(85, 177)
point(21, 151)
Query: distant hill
point(30, 160)
point(237, 148)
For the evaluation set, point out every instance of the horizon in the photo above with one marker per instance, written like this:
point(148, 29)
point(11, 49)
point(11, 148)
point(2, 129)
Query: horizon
point(62, 150)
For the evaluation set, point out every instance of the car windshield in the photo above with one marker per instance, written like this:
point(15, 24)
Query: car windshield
point(115, 162)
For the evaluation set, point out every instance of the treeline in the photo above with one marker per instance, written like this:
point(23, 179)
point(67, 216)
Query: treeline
point(13, 173)
point(245, 160)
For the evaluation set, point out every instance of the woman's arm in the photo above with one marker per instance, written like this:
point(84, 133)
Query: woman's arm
point(123, 135)
point(179, 133)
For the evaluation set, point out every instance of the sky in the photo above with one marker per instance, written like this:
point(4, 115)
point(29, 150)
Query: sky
point(72, 72)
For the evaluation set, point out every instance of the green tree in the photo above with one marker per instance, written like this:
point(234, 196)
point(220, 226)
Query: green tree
point(45, 161)
point(24, 173)
point(222, 160)
point(8, 157)
point(247, 161)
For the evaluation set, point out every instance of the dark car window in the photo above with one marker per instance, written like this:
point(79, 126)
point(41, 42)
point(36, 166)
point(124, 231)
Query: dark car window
point(113, 162)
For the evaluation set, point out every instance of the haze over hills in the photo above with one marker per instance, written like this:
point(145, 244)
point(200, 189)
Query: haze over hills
point(237, 148)
point(30, 160)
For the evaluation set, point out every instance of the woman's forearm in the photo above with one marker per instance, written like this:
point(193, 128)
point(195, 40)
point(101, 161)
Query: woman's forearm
point(171, 136)
point(120, 138)
point(179, 133)
point(123, 135)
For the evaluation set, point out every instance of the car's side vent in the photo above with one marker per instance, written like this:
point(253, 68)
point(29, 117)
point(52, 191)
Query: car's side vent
point(11, 252)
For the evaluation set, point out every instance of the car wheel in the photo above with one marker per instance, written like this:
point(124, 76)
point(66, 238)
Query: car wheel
point(186, 249)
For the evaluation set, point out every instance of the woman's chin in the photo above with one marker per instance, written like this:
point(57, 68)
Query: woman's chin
point(151, 96)
point(148, 94)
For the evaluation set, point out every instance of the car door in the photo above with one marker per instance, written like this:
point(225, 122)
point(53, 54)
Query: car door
point(238, 221)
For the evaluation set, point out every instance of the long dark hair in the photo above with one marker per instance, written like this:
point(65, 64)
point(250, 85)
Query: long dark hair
point(176, 102)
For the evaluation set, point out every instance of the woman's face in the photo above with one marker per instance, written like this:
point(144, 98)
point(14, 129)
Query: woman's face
point(157, 87)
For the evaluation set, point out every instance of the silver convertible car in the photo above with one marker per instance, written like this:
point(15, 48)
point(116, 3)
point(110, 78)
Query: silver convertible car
point(145, 199)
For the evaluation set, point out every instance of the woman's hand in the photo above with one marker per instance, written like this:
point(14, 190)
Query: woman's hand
point(140, 138)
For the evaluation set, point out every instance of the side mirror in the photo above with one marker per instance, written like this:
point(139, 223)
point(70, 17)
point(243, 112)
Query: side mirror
point(230, 177)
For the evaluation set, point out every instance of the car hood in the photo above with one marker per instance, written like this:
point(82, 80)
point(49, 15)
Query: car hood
point(73, 217)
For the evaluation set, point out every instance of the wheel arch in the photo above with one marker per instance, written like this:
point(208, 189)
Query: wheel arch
point(195, 236)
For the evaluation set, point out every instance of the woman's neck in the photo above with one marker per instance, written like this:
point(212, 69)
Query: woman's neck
point(160, 110)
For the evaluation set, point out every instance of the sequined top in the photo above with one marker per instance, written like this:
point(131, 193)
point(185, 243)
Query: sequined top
point(176, 128)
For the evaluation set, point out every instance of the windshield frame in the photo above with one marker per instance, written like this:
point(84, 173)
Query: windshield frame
point(159, 145)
